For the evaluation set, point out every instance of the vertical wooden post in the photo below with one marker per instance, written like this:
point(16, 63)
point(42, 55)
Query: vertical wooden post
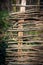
point(20, 34)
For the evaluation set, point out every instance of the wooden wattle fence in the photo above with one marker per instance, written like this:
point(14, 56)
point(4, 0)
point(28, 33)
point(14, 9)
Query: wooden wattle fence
point(25, 43)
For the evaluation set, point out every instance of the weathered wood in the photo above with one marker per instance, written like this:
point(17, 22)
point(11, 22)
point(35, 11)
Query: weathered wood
point(25, 30)
point(27, 41)
point(20, 51)
point(23, 63)
point(27, 5)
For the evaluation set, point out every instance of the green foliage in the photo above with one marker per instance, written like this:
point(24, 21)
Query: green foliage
point(4, 24)
point(3, 20)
